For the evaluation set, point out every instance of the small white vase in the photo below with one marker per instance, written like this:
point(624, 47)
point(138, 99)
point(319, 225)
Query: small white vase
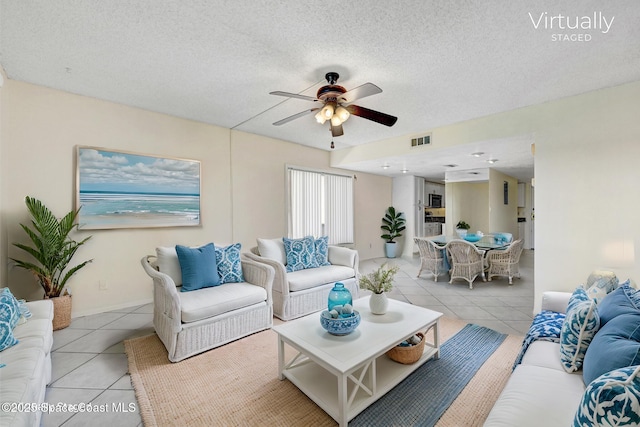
point(378, 303)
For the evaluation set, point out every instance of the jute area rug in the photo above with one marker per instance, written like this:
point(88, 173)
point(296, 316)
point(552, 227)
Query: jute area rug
point(237, 385)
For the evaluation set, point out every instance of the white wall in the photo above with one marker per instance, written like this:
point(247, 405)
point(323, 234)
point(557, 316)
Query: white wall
point(502, 218)
point(403, 200)
point(586, 190)
point(242, 187)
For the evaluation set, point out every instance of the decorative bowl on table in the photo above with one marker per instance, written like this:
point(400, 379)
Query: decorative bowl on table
point(472, 238)
point(344, 324)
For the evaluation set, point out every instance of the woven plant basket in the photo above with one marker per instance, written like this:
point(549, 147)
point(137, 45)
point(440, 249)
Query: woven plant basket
point(407, 355)
point(61, 312)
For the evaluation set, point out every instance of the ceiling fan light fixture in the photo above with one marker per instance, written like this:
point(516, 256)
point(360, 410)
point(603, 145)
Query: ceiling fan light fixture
point(320, 118)
point(342, 113)
point(327, 111)
point(335, 120)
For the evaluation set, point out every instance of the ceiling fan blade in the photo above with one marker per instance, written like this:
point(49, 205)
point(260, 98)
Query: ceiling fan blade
point(295, 116)
point(376, 116)
point(359, 92)
point(336, 130)
point(294, 95)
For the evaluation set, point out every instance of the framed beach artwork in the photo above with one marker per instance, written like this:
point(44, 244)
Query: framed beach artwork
point(120, 189)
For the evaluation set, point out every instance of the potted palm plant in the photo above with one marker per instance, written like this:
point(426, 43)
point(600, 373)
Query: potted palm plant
point(393, 223)
point(52, 250)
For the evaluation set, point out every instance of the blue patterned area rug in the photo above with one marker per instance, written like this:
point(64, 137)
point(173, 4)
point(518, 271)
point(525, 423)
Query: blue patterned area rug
point(422, 398)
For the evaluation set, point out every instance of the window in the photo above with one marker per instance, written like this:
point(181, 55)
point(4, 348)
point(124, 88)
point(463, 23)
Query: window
point(320, 204)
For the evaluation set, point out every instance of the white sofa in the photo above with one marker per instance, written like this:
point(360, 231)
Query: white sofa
point(301, 292)
point(540, 392)
point(28, 366)
point(192, 322)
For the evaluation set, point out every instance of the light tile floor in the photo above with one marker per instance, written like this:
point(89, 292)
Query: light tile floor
point(90, 366)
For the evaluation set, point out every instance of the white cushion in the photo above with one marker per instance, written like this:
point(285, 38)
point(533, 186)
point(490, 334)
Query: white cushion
point(169, 264)
point(545, 354)
point(342, 256)
point(40, 330)
point(272, 249)
point(41, 309)
point(312, 277)
point(535, 397)
point(210, 302)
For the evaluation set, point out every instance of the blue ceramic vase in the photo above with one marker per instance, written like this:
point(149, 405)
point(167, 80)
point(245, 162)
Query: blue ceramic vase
point(339, 295)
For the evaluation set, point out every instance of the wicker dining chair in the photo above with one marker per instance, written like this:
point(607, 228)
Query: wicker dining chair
point(431, 257)
point(506, 262)
point(467, 261)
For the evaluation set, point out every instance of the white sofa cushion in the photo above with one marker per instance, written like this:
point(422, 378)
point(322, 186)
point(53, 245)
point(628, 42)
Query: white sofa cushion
point(342, 256)
point(312, 277)
point(169, 264)
point(209, 302)
point(272, 249)
point(545, 354)
point(536, 396)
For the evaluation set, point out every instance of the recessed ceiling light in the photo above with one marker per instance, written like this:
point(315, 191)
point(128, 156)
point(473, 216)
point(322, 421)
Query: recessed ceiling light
point(451, 166)
point(474, 173)
point(405, 170)
point(477, 154)
point(385, 166)
point(492, 161)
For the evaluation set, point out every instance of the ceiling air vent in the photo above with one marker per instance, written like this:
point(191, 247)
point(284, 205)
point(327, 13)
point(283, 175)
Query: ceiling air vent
point(422, 140)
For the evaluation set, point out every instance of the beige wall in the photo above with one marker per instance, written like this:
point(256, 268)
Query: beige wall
point(242, 186)
point(503, 217)
point(469, 202)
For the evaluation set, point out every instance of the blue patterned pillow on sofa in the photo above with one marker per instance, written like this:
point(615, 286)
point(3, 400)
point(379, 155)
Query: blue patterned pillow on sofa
point(300, 253)
point(9, 308)
point(580, 326)
point(611, 400)
point(322, 251)
point(229, 263)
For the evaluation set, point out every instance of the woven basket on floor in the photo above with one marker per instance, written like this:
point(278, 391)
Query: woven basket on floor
point(407, 355)
point(61, 312)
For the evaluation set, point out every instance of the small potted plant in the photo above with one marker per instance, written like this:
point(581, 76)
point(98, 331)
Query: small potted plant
point(393, 223)
point(462, 228)
point(379, 282)
point(52, 250)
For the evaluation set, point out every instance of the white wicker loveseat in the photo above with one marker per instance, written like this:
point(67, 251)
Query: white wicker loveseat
point(192, 322)
point(305, 291)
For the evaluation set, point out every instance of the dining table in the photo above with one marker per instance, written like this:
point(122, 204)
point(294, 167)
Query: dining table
point(487, 243)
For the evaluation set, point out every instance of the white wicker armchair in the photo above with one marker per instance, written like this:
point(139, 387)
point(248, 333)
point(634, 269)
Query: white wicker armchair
point(506, 262)
point(299, 293)
point(431, 257)
point(192, 322)
point(467, 261)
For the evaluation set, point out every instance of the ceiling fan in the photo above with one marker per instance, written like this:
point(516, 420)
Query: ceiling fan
point(336, 105)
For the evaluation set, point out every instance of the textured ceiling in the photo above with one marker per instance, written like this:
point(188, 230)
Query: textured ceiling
point(437, 62)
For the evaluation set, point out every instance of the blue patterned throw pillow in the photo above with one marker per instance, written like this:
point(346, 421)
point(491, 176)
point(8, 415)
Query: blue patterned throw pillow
point(612, 399)
point(322, 251)
point(580, 326)
point(229, 263)
point(6, 335)
point(9, 308)
point(546, 326)
point(300, 253)
point(600, 283)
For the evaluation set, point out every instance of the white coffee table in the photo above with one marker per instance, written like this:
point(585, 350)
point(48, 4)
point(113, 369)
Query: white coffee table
point(345, 374)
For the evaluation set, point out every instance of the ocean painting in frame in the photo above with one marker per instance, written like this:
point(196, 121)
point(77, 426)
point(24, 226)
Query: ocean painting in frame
point(119, 189)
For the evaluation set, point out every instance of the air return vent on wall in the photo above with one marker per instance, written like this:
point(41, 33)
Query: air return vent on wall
point(422, 140)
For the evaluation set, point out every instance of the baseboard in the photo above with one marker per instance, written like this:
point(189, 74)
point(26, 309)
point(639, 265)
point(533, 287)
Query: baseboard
point(128, 304)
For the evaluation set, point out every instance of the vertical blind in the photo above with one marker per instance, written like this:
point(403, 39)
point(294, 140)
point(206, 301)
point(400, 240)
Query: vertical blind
point(320, 204)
